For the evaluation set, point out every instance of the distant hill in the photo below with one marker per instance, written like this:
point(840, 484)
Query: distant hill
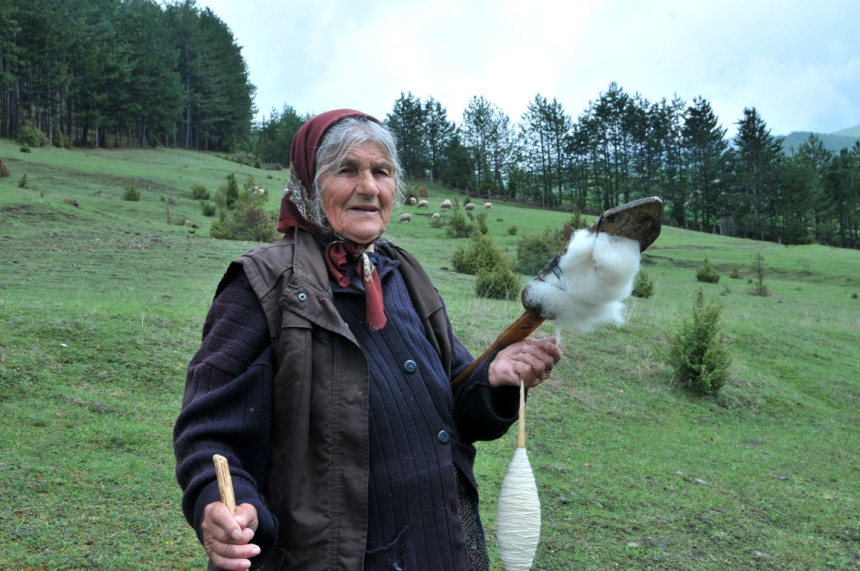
point(842, 139)
point(849, 132)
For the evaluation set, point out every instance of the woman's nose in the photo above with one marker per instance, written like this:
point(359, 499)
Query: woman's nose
point(366, 184)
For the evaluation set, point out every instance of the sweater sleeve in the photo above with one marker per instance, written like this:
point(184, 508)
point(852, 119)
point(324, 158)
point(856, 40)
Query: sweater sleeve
point(480, 411)
point(225, 410)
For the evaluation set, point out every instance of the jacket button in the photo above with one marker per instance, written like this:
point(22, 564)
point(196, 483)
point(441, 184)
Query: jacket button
point(410, 366)
point(443, 437)
point(303, 297)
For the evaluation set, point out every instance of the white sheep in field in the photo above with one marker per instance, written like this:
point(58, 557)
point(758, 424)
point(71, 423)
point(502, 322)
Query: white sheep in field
point(446, 205)
point(405, 217)
point(470, 206)
point(412, 201)
point(423, 204)
point(435, 216)
point(488, 206)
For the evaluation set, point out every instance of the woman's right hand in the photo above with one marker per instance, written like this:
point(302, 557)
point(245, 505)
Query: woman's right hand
point(227, 538)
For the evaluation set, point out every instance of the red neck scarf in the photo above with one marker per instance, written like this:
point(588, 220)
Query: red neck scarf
point(339, 251)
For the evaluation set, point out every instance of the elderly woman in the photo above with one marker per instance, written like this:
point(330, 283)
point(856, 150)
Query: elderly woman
point(324, 376)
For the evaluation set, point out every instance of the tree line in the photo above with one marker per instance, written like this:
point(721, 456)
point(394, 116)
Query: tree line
point(122, 72)
point(623, 147)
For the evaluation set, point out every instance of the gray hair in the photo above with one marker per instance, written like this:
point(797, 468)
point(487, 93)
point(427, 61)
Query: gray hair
point(338, 142)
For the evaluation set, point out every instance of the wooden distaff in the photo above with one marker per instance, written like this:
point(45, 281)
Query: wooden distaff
point(225, 482)
point(639, 220)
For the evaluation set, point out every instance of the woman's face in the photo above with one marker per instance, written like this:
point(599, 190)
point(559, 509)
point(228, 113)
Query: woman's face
point(357, 199)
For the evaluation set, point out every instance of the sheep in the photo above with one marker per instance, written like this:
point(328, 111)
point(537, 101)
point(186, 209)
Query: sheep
point(412, 201)
point(423, 204)
point(446, 205)
point(435, 216)
point(488, 206)
point(405, 217)
point(470, 206)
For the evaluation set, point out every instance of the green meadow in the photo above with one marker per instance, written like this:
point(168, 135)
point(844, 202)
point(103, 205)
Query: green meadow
point(101, 308)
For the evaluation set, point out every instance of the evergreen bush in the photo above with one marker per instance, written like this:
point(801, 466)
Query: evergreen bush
point(246, 221)
point(131, 193)
point(458, 225)
point(535, 251)
point(498, 283)
point(707, 273)
point(479, 254)
point(199, 191)
point(759, 269)
point(643, 285)
point(697, 352)
point(30, 136)
point(209, 209)
point(23, 182)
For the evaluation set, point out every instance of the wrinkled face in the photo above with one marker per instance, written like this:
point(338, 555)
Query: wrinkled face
point(358, 197)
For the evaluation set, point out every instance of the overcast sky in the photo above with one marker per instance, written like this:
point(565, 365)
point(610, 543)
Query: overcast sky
point(796, 61)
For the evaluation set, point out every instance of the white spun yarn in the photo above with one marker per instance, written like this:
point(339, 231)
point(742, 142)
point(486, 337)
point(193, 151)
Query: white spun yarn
point(597, 273)
point(518, 515)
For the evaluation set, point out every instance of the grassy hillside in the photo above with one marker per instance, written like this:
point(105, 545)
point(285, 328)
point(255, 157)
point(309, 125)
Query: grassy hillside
point(101, 307)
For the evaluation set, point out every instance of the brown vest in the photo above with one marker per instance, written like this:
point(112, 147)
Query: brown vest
point(316, 482)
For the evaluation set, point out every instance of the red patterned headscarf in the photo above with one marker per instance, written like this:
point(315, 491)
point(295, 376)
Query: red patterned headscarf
point(299, 201)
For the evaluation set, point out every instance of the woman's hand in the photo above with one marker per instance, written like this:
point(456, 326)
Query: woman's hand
point(530, 361)
point(227, 538)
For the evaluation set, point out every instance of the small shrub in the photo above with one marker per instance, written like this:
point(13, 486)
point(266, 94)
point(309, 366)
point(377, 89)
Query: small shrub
point(498, 283)
point(480, 223)
point(230, 191)
point(4, 170)
point(199, 192)
point(30, 136)
point(576, 222)
point(643, 286)
point(736, 274)
point(759, 270)
point(23, 183)
point(246, 222)
point(209, 209)
point(24, 149)
point(697, 352)
point(249, 183)
point(60, 140)
point(131, 193)
point(512, 230)
point(458, 224)
point(535, 251)
point(707, 273)
point(479, 254)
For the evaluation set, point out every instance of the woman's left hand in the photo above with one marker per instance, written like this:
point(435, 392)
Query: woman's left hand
point(529, 361)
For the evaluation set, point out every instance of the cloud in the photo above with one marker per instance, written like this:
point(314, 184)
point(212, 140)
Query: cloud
point(795, 61)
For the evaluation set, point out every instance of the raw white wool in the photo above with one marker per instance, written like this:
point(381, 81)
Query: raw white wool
point(596, 273)
point(518, 515)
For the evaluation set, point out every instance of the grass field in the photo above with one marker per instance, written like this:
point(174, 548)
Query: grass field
point(101, 307)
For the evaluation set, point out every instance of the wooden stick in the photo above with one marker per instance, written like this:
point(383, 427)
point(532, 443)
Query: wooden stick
point(225, 482)
point(516, 331)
